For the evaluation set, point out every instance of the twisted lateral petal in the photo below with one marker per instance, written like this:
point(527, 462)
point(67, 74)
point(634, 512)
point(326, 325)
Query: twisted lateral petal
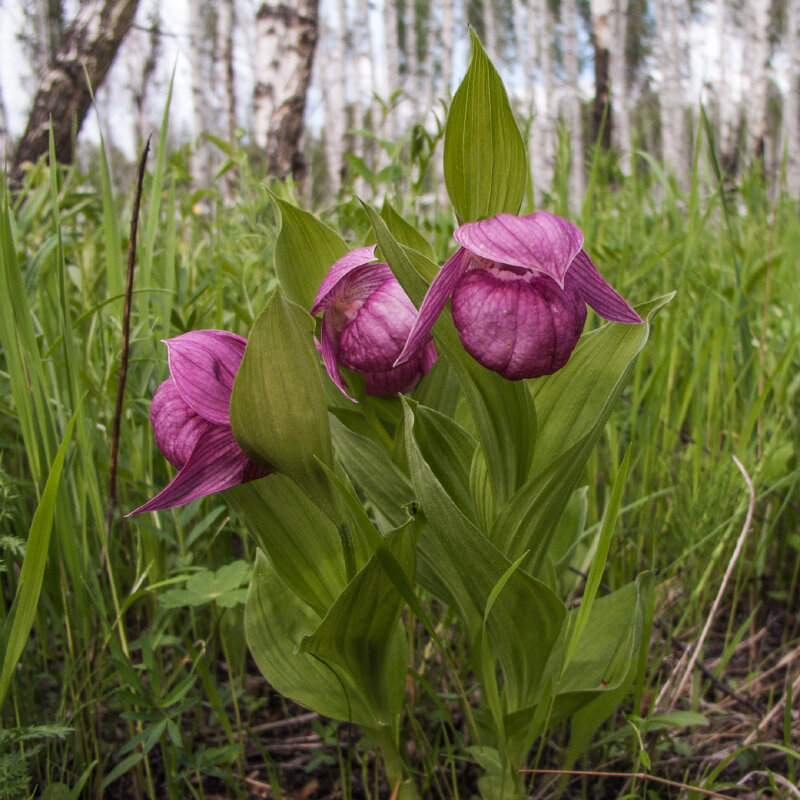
point(330, 352)
point(599, 294)
point(203, 365)
point(435, 300)
point(541, 242)
point(355, 258)
point(216, 463)
point(176, 427)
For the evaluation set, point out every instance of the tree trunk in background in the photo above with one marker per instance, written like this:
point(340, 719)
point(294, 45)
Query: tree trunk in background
point(569, 12)
point(204, 111)
point(286, 37)
point(602, 13)
point(141, 63)
point(621, 130)
point(5, 139)
point(541, 143)
point(48, 19)
point(448, 40)
point(725, 144)
point(671, 97)
point(224, 66)
point(758, 49)
point(490, 30)
point(791, 108)
point(392, 45)
point(88, 47)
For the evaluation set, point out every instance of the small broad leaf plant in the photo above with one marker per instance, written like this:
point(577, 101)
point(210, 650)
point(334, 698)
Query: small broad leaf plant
point(309, 416)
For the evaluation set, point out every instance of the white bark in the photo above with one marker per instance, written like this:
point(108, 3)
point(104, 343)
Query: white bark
point(569, 10)
point(5, 138)
point(621, 130)
point(723, 89)
point(541, 144)
point(392, 62)
point(333, 78)
point(758, 48)
point(791, 108)
point(490, 30)
point(225, 73)
point(671, 96)
point(448, 39)
point(200, 60)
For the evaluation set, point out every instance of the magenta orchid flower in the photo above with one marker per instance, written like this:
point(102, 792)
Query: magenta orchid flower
point(366, 320)
point(190, 418)
point(519, 288)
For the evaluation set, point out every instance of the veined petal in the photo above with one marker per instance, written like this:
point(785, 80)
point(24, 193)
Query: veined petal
point(347, 263)
point(216, 463)
point(360, 283)
point(203, 365)
point(330, 353)
point(435, 300)
point(599, 294)
point(176, 426)
point(373, 339)
point(541, 242)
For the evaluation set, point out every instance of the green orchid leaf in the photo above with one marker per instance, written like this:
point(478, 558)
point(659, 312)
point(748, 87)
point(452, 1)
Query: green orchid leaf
point(362, 636)
point(605, 656)
point(503, 411)
point(525, 620)
point(448, 450)
point(569, 402)
point(278, 411)
point(369, 466)
point(304, 252)
point(301, 541)
point(485, 168)
point(276, 621)
point(530, 518)
point(405, 233)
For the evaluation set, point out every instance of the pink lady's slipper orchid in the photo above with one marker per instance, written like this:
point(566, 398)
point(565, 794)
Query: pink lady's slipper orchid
point(519, 288)
point(365, 323)
point(190, 417)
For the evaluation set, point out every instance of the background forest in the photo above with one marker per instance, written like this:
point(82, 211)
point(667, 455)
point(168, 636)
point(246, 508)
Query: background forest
point(669, 131)
point(629, 75)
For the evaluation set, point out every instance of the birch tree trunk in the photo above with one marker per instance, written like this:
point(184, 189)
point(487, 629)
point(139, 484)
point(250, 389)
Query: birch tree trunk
point(5, 136)
point(723, 90)
point(602, 13)
point(224, 66)
point(490, 30)
point(791, 108)
point(286, 39)
point(569, 11)
point(203, 102)
point(671, 97)
point(541, 144)
point(621, 130)
point(448, 39)
point(758, 47)
point(88, 48)
point(392, 44)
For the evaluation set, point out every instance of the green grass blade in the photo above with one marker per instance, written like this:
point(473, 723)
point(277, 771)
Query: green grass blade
point(20, 619)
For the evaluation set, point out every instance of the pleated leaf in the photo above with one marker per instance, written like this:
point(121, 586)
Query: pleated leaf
point(304, 252)
point(485, 168)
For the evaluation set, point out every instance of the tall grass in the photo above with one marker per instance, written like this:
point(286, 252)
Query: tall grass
point(145, 694)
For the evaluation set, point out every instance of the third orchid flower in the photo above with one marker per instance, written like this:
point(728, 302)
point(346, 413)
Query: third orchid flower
point(366, 320)
point(519, 287)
